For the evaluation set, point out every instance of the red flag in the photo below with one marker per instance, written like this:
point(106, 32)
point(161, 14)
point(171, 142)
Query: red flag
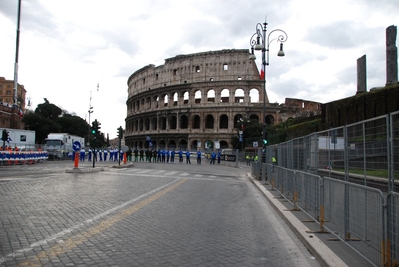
point(262, 72)
point(21, 114)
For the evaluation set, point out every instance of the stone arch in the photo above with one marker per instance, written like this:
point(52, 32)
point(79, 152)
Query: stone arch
point(141, 125)
point(172, 144)
point(154, 123)
point(162, 144)
point(223, 144)
point(136, 126)
point(147, 124)
point(254, 117)
point(194, 145)
point(269, 120)
point(254, 95)
point(225, 96)
point(183, 122)
point(209, 122)
point(198, 96)
point(210, 96)
point(175, 99)
point(224, 122)
point(156, 101)
point(173, 122)
point(186, 97)
point(239, 95)
point(165, 99)
point(196, 122)
point(148, 102)
point(162, 123)
point(183, 144)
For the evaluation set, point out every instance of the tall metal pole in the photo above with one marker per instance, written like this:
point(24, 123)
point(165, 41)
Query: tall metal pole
point(16, 57)
point(259, 41)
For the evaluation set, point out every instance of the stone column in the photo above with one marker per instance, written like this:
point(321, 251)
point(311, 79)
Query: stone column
point(392, 55)
point(361, 75)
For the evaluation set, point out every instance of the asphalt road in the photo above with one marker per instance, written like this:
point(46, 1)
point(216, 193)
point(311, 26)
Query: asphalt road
point(147, 215)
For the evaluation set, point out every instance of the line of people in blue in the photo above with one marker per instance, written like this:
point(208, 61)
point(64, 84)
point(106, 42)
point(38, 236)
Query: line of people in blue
point(148, 155)
point(101, 154)
point(169, 156)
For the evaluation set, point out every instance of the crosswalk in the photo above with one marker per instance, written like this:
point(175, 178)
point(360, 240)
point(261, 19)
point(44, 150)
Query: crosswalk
point(157, 173)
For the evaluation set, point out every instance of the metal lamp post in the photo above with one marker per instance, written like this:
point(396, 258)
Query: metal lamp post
point(260, 41)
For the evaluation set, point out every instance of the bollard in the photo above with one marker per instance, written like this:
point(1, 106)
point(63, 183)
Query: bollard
point(124, 158)
point(76, 164)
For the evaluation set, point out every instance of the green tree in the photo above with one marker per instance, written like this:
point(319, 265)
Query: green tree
point(252, 132)
point(74, 125)
point(49, 118)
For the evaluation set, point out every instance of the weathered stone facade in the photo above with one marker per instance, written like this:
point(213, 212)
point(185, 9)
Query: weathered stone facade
point(195, 99)
point(10, 116)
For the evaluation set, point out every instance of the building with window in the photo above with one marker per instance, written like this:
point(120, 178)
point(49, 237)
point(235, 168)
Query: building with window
point(197, 101)
point(10, 113)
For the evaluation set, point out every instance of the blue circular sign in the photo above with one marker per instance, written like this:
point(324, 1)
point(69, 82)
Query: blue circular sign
point(76, 146)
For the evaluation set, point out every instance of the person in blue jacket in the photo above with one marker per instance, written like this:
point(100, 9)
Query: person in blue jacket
point(199, 156)
point(188, 161)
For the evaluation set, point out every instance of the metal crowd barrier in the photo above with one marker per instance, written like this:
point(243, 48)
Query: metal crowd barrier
point(22, 157)
point(392, 243)
point(355, 214)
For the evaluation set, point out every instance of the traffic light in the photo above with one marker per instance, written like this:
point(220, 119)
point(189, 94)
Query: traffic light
point(120, 132)
point(4, 136)
point(95, 128)
point(265, 139)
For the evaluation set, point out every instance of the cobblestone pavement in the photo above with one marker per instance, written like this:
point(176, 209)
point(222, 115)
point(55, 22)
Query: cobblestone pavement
point(147, 215)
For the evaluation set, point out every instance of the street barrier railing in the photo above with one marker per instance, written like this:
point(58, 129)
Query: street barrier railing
point(356, 215)
point(22, 157)
point(392, 243)
point(308, 188)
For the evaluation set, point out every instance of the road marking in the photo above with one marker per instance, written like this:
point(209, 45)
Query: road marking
point(79, 238)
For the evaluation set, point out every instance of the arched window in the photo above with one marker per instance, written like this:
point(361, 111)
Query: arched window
point(173, 122)
point(154, 124)
point(209, 122)
point(198, 97)
point(183, 122)
point(196, 122)
point(162, 123)
point(224, 122)
point(225, 95)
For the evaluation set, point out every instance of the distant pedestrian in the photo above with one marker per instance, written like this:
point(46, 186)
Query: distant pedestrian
point(218, 156)
point(199, 156)
point(180, 156)
point(136, 155)
point(188, 161)
point(82, 154)
point(105, 154)
point(89, 157)
point(172, 156)
point(101, 154)
point(141, 153)
point(213, 158)
point(154, 155)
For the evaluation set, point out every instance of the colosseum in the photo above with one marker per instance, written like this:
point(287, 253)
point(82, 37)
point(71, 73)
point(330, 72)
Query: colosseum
point(195, 101)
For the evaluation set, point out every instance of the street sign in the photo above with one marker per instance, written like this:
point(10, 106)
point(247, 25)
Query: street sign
point(124, 148)
point(76, 146)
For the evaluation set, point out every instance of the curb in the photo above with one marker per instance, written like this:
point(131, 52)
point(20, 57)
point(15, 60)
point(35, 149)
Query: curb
point(323, 254)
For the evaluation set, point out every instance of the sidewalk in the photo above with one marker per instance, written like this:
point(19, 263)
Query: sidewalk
point(324, 246)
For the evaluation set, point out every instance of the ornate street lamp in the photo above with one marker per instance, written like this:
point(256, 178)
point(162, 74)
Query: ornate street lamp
point(260, 41)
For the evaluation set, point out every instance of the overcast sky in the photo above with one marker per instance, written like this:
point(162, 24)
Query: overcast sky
point(68, 47)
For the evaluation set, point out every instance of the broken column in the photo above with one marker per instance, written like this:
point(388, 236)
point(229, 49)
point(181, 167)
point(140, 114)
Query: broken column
point(361, 75)
point(392, 55)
